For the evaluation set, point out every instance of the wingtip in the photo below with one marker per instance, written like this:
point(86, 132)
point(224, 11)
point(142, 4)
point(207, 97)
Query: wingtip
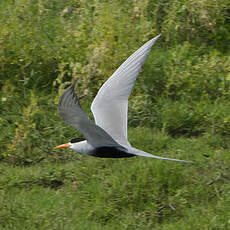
point(66, 95)
point(155, 38)
point(73, 85)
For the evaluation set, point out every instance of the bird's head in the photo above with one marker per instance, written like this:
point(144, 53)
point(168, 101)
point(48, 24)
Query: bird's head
point(70, 144)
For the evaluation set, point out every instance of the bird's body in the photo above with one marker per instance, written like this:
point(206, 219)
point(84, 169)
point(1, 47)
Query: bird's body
point(119, 151)
point(107, 137)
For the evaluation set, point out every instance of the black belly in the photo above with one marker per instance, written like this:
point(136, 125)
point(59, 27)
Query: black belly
point(111, 152)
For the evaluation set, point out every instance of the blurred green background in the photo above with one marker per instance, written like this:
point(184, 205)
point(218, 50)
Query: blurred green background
point(180, 106)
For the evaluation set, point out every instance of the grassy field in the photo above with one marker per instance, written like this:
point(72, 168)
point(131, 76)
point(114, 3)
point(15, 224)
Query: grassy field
point(136, 193)
point(179, 108)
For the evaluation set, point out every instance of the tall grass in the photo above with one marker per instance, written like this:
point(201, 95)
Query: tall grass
point(135, 193)
point(179, 108)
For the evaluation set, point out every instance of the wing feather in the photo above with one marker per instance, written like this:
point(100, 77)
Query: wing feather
point(72, 113)
point(110, 105)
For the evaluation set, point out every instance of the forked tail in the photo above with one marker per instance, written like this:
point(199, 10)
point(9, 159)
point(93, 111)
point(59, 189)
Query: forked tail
point(138, 152)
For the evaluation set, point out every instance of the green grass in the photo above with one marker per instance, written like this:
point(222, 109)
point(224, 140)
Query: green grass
point(136, 193)
point(183, 91)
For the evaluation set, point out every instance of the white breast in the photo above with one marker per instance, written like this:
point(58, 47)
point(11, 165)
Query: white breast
point(82, 147)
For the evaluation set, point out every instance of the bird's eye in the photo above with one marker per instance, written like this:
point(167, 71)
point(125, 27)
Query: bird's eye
point(75, 140)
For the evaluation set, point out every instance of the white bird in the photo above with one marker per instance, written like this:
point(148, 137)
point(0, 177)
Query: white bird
point(107, 137)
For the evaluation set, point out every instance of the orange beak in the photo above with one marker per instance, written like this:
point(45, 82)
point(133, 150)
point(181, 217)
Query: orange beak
point(62, 146)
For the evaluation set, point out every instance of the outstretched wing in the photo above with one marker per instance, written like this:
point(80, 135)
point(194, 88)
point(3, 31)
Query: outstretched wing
point(110, 106)
point(72, 113)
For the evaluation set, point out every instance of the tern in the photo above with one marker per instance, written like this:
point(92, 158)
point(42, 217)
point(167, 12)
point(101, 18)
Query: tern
point(107, 136)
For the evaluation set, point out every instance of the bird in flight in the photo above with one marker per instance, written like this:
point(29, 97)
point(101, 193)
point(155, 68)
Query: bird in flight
point(107, 136)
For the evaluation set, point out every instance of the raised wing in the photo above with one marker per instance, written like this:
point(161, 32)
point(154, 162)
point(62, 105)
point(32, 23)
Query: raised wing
point(110, 105)
point(72, 113)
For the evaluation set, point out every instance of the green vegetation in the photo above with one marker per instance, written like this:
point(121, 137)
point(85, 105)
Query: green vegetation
point(180, 108)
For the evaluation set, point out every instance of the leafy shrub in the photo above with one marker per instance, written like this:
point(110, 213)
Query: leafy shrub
point(198, 22)
point(183, 88)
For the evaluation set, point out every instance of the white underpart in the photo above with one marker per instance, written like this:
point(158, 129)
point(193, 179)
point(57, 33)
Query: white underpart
point(82, 147)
